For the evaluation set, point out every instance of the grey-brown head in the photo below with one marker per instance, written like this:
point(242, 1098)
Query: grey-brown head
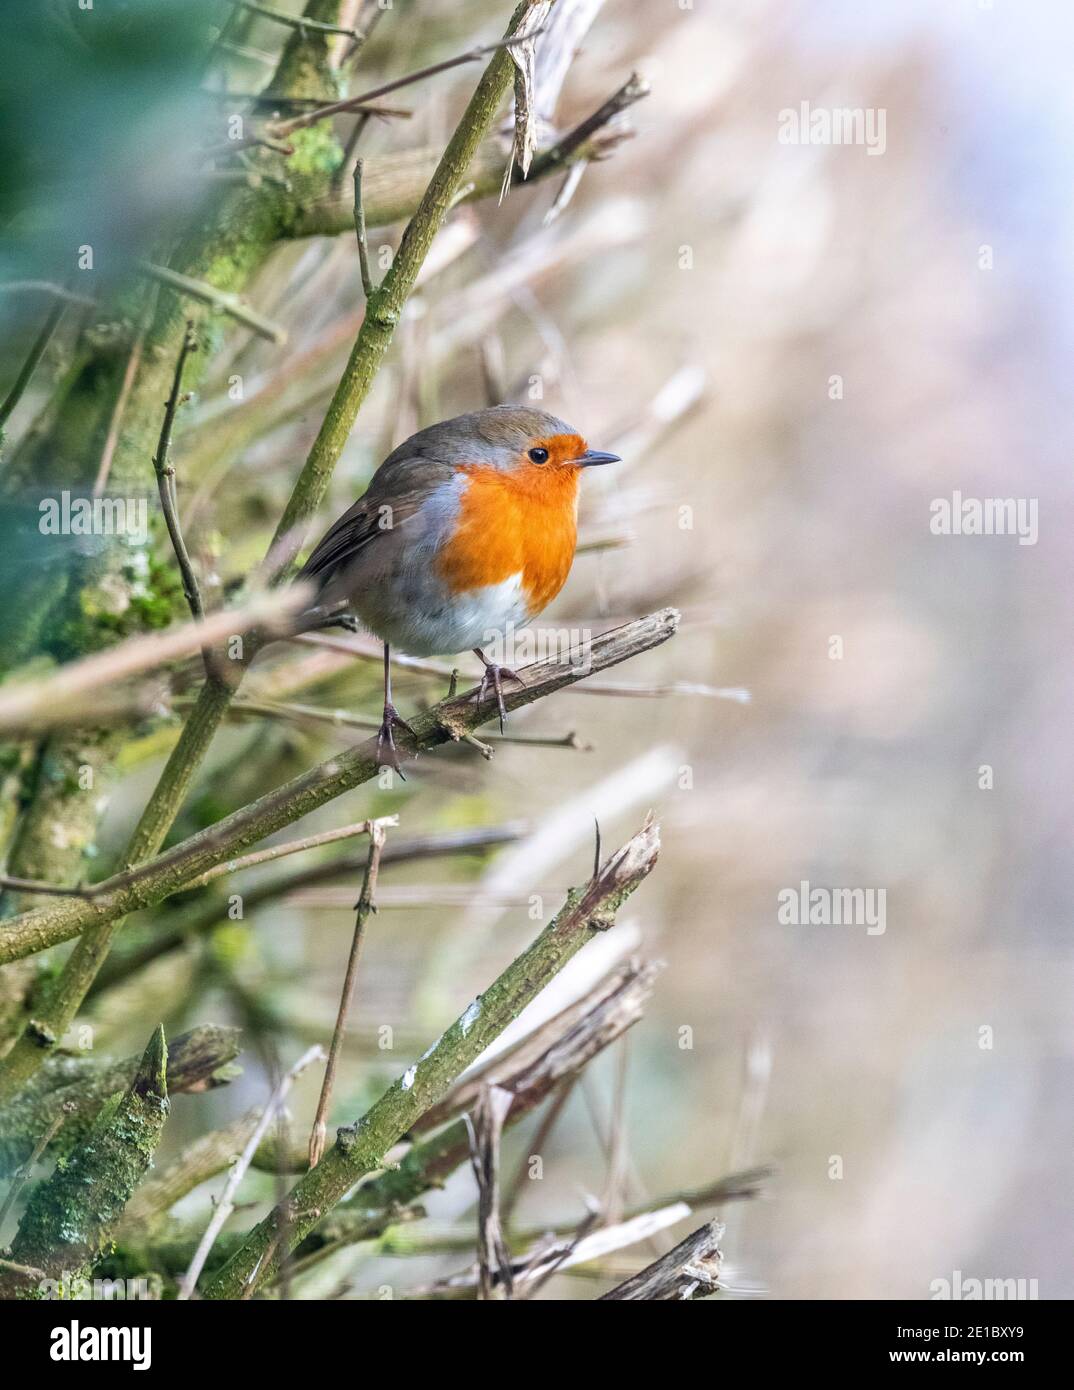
point(505, 437)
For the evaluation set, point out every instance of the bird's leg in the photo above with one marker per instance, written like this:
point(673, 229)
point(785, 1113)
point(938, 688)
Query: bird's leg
point(386, 750)
point(494, 676)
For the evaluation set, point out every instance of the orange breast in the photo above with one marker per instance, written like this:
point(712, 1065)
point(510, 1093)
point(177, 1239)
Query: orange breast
point(524, 521)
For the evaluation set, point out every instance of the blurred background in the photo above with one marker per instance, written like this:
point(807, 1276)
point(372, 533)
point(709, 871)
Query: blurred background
point(796, 347)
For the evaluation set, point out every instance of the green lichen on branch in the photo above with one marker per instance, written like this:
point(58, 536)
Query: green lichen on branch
point(360, 1148)
point(79, 1086)
point(70, 1219)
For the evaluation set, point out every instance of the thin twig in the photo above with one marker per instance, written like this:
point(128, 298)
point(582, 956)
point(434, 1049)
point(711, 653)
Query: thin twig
point(368, 288)
point(537, 1143)
point(47, 287)
point(33, 357)
point(226, 1205)
point(104, 468)
point(28, 1271)
point(472, 55)
point(296, 713)
point(165, 472)
point(230, 304)
point(350, 149)
point(484, 1130)
point(736, 1187)
point(288, 711)
point(299, 22)
point(266, 856)
point(19, 1180)
point(50, 890)
point(544, 1265)
point(204, 916)
point(61, 698)
point(226, 147)
point(634, 89)
point(367, 903)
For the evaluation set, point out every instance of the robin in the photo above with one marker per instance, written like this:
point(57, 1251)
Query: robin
point(466, 527)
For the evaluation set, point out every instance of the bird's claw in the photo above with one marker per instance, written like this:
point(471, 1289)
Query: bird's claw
point(387, 753)
point(494, 676)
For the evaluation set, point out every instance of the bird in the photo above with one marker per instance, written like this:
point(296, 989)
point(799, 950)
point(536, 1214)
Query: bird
point(469, 526)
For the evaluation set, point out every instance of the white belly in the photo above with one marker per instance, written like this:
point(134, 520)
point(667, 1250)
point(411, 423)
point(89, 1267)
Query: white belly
point(429, 621)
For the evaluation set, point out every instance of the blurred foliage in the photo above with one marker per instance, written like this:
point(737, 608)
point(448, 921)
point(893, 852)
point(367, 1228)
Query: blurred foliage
point(100, 110)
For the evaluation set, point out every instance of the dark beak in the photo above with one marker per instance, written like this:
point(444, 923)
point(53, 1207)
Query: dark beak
point(593, 456)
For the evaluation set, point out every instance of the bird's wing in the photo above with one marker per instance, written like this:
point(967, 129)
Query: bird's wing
point(396, 494)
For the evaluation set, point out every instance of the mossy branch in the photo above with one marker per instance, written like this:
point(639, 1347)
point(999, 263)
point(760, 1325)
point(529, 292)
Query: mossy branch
point(70, 1218)
point(553, 1054)
point(77, 1087)
point(360, 1149)
point(169, 872)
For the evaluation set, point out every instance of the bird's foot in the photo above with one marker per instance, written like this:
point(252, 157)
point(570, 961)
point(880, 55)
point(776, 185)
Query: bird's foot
point(387, 753)
point(494, 676)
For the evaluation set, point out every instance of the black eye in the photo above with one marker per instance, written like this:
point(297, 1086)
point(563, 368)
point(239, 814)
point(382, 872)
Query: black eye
point(539, 455)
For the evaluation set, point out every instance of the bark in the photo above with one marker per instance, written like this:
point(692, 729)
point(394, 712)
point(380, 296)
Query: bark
point(71, 1216)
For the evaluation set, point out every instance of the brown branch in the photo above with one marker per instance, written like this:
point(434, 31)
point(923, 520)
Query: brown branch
point(165, 471)
point(33, 706)
point(473, 55)
point(268, 856)
point(77, 1088)
point(299, 22)
point(49, 890)
point(226, 1205)
point(446, 722)
point(205, 916)
point(576, 140)
point(484, 1130)
point(689, 1271)
point(367, 903)
point(368, 288)
point(361, 1148)
point(19, 1180)
point(570, 1043)
point(33, 357)
point(134, 361)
